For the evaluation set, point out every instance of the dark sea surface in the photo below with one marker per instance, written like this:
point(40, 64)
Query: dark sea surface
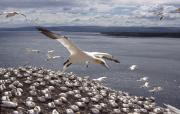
point(157, 58)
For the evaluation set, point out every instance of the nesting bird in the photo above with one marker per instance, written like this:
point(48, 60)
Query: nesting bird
point(76, 54)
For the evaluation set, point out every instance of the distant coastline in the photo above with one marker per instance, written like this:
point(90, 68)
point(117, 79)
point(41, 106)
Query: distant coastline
point(144, 34)
point(171, 32)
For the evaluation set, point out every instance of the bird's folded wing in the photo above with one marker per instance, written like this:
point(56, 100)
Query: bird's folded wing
point(62, 39)
point(105, 56)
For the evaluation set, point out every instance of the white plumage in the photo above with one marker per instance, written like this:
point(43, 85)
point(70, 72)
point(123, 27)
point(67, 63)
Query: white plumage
point(100, 79)
point(146, 85)
point(156, 89)
point(50, 55)
point(76, 54)
point(133, 67)
point(143, 79)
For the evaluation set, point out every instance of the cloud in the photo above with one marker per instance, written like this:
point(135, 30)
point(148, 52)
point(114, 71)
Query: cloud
point(91, 12)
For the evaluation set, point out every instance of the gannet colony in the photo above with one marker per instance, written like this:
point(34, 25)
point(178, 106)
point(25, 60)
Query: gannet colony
point(32, 90)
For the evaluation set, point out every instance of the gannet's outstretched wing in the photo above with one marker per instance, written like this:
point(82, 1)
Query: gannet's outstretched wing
point(105, 56)
point(62, 39)
point(22, 14)
point(172, 109)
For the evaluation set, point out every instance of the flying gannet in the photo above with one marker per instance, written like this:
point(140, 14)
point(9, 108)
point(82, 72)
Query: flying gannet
point(156, 89)
point(143, 79)
point(133, 67)
point(146, 85)
point(76, 54)
point(100, 79)
point(11, 14)
point(50, 55)
point(32, 50)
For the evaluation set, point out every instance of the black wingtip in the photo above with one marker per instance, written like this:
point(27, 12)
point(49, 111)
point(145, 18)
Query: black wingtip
point(117, 61)
point(41, 29)
point(46, 32)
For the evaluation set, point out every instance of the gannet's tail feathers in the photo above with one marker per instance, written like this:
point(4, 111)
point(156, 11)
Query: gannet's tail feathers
point(172, 109)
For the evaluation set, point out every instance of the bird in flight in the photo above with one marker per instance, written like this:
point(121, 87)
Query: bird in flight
point(100, 79)
point(156, 89)
point(50, 55)
point(133, 67)
point(32, 50)
point(143, 79)
point(146, 85)
point(76, 54)
point(11, 14)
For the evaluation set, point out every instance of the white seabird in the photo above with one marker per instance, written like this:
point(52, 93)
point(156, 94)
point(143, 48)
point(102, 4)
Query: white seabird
point(11, 14)
point(50, 55)
point(146, 85)
point(76, 54)
point(143, 79)
point(172, 109)
point(156, 89)
point(133, 67)
point(32, 50)
point(100, 79)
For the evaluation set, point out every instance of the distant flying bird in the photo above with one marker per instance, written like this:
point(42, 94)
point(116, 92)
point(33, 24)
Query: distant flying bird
point(133, 67)
point(161, 17)
point(50, 55)
point(160, 14)
point(50, 51)
point(11, 14)
point(143, 79)
point(172, 109)
point(76, 54)
point(156, 89)
point(146, 85)
point(100, 79)
point(33, 50)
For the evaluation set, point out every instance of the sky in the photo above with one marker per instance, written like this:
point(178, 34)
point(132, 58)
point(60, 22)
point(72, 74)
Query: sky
point(90, 13)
